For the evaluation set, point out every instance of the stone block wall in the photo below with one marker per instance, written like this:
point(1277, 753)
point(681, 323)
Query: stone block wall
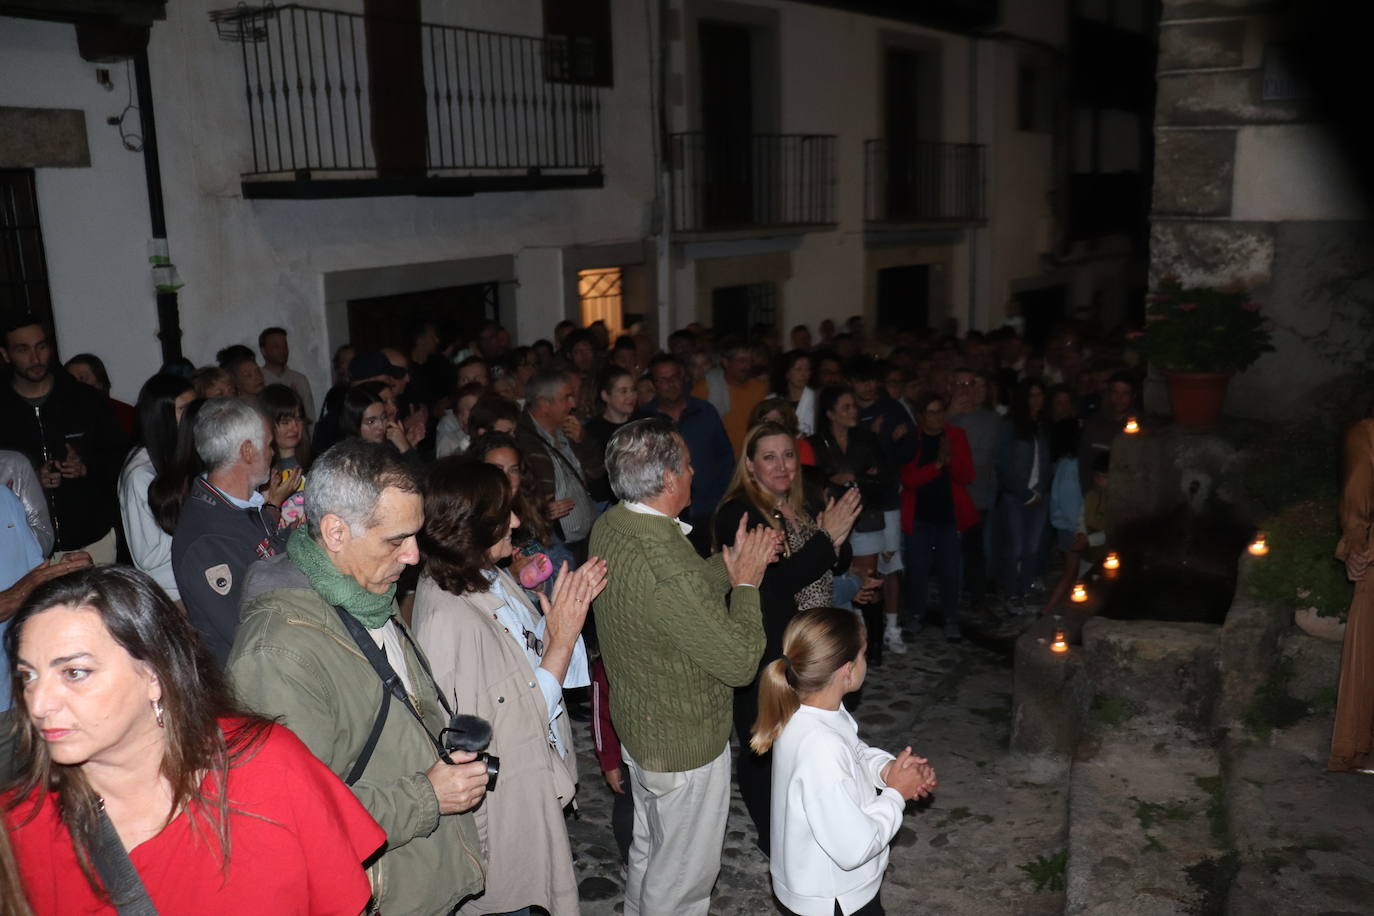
point(1254, 190)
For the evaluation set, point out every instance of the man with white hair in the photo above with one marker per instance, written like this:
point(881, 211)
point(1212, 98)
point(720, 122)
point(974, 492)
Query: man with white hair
point(226, 525)
point(678, 635)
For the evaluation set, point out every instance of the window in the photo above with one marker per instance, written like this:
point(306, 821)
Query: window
point(23, 266)
point(736, 309)
point(599, 291)
point(577, 42)
point(1033, 102)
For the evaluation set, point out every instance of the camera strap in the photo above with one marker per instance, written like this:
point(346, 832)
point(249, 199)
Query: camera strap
point(392, 686)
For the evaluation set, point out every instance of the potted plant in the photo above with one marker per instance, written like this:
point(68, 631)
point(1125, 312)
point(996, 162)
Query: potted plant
point(1199, 336)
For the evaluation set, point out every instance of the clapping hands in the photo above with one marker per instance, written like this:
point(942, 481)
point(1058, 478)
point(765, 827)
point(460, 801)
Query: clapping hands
point(839, 516)
point(910, 775)
point(747, 559)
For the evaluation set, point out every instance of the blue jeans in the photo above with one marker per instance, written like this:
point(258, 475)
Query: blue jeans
point(933, 544)
point(1026, 528)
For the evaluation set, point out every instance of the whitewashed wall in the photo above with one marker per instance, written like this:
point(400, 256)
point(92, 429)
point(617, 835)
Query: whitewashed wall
point(94, 220)
point(250, 264)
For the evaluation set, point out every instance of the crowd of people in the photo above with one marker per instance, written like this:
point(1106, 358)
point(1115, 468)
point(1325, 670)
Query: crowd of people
point(325, 656)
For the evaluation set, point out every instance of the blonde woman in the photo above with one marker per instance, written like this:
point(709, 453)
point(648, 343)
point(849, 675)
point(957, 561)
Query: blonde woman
point(767, 488)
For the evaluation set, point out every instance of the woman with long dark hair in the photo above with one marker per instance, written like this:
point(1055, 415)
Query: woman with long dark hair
point(1024, 473)
point(167, 492)
point(132, 751)
point(851, 456)
point(161, 402)
point(489, 647)
point(792, 380)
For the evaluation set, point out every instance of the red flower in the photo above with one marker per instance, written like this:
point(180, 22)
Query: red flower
point(1251, 306)
point(1187, 306)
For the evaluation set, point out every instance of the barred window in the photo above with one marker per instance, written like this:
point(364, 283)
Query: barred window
point(577, 42)
point(23, 265)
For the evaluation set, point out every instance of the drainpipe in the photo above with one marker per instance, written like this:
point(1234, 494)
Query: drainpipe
point(973, 138)
point(168, 318)
point(662, 176)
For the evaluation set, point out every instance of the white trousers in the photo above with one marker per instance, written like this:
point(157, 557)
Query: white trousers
point(678, 836)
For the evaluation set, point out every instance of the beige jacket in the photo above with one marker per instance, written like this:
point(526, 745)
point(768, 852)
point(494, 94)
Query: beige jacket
point(484, 672)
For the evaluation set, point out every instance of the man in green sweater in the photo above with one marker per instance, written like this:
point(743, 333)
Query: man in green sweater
point(678, 634)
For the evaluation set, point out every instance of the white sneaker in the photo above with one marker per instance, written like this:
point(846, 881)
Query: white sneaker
point(892, 642)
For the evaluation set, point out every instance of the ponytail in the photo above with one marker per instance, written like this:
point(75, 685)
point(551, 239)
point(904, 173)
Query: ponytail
point(778, 699)
point(815, 645)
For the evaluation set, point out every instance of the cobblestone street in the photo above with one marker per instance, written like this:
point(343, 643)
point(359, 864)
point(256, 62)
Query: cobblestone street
point(956, 854)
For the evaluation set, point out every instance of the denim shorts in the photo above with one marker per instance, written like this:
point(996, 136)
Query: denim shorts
point(886, 540)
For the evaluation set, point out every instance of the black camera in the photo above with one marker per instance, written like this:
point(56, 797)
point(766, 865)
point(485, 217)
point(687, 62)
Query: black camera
point(472, 733)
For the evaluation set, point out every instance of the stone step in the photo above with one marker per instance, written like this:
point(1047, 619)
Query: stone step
point(1301, 834)
point(1143, 829)
point(1147, 827)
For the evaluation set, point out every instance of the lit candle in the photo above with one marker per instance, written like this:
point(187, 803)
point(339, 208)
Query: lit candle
point(1080, 593)
point(1112, 562)
point(1061, 643)
point(1258, 547)
point(1131, 427)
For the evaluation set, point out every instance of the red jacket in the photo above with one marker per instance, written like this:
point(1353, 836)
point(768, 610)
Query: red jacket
point(960, 476)
point(604, 738)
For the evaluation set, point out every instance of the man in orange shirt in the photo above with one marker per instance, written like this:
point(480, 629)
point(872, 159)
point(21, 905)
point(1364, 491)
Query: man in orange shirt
point(733, 392)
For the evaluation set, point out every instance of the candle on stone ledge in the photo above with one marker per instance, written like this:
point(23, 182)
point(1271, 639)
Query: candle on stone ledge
point(1258, 547)
point(1080, 593)
point(1132, 426)
point(1061, 642)
point(1112, 561)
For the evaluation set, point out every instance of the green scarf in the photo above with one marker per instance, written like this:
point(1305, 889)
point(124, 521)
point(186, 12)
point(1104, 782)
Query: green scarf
point(334, 587)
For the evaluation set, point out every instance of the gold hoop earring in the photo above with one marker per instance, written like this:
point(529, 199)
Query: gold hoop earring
point(157, 712)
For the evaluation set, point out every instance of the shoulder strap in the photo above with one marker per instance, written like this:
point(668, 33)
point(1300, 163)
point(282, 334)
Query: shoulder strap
point(373, 737)
point(392, 686)
point(117, 873)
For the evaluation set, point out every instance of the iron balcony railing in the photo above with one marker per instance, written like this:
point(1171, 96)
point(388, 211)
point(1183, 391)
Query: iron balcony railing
point(722, 182)
point(921, 181)
point(492, 102)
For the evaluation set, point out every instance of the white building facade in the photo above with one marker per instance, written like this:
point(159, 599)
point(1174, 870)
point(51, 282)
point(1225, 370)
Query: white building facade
point(686, 160)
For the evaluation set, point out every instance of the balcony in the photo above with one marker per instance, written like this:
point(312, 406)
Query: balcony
point(342, 105)
point(921, 182)
point(749, 183)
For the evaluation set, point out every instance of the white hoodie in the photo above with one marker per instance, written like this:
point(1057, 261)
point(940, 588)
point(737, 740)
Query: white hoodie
point(833, 816)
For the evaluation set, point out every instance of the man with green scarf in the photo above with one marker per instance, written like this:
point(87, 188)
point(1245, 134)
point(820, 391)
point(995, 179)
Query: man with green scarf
point(294, 658)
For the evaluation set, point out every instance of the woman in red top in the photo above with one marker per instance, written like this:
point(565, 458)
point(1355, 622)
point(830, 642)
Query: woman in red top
point(935, 508)
point(125, 716)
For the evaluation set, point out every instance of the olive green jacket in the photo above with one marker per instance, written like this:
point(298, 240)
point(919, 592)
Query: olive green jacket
point(293, 659)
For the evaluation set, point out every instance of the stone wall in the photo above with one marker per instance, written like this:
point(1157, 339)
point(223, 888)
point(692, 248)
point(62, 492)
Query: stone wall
point(1249, 186)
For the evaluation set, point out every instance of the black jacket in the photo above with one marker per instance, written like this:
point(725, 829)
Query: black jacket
point(785, 576)
point(868, 461)
point(83, 509)
point(212, 548)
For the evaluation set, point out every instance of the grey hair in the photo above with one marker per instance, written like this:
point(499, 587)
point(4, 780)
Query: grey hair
point(223, 425)
point(348, 480)
point(544, 385)
point(639, 454)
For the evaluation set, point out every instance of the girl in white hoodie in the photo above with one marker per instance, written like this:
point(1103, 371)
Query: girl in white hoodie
point(837, 802)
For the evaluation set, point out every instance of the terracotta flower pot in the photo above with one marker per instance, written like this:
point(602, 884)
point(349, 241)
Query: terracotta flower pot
point(1196, 397)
